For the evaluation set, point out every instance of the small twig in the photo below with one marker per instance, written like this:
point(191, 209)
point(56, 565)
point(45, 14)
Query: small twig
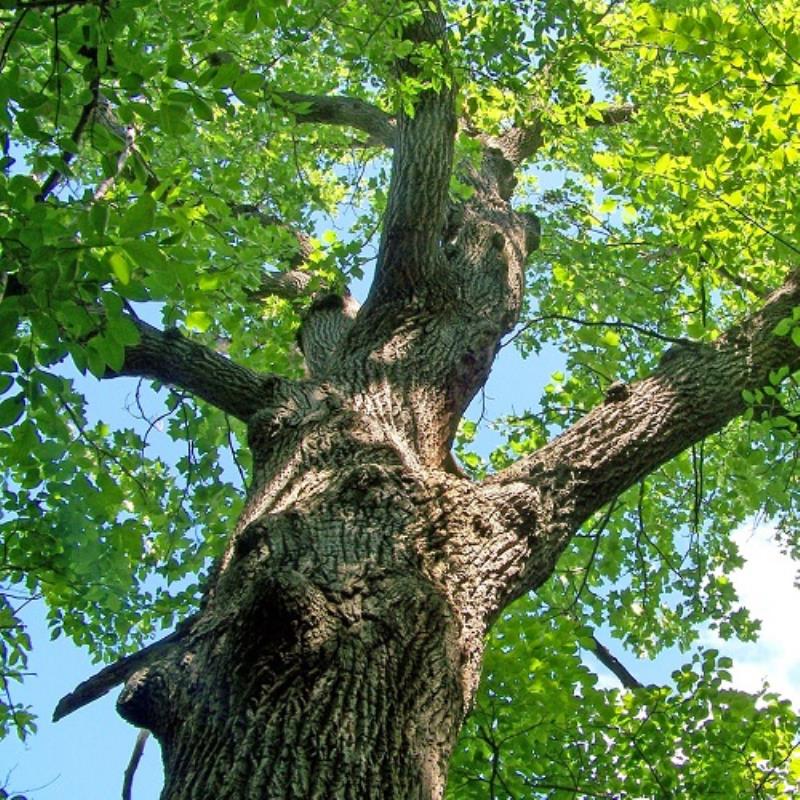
point(640, 534)
point(597, 530)
point(67, 156)
point(698, 489)
point(234, 456)
point(9, 37)
point(743, 214)
point(605, 323)
point(57, 65)
point(101, 452)
point(777, 42)
point(611, 662)
point(130, 770)
point(50, 3)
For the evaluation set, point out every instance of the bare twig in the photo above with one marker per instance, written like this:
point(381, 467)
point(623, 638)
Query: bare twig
point(612, 663)
point(605, 323)
point(130, 770)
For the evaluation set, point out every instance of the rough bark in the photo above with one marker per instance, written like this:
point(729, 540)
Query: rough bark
point(171, 358)
point(339, 646)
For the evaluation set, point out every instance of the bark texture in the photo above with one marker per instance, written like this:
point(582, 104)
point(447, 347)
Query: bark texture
point(339, 644)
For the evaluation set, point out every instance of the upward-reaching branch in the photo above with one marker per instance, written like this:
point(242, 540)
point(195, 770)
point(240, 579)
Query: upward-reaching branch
point(521, 142)
point(695, 392)
point(410, 249)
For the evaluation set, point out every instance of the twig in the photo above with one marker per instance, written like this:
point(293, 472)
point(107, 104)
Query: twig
point(9, 37)
point(605, 323)
point(234, 456)
point(130, 770)
point(67, 156)
point(598, 530)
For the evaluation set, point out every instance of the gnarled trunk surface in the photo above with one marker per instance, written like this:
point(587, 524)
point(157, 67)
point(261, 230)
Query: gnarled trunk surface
point(340, 645)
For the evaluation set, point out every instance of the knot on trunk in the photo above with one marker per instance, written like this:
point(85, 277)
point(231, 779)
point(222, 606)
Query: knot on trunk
point(298, 405)
point(285, 617)
point(145, 701)
point(500, 171)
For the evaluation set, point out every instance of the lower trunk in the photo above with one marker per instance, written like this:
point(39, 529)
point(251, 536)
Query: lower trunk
point(371, 710)
point(337, 652)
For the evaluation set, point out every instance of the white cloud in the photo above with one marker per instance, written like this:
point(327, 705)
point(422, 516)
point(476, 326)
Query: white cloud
point(765, 585)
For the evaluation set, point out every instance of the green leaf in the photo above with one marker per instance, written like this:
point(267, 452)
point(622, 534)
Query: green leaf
point(139, 218)
point(100, 214)
point(146, 254)
point(123, 331)
point(121, 266)
point(11, 409)
point(198, 321)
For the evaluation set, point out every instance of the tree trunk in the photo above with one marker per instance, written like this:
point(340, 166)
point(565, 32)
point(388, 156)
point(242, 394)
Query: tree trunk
point(340, 642)
point(338, 645)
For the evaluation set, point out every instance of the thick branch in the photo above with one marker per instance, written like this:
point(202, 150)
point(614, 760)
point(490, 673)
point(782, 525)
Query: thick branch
point(171, 358)
point(341, 110)
point(122, 159)
point(104, 681)
point(521, 142)
point(612, 663)
point(303, 240)
point(294, 282)
point(695, 392)
point(324, 328)
point(410, 258)
point(288, 285)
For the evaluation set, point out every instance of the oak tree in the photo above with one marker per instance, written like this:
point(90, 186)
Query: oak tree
point(613, 177)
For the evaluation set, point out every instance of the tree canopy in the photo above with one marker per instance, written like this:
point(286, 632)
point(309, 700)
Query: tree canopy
point(203, 172)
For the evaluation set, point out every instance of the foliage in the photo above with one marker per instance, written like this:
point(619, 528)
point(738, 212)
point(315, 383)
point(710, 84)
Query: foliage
point(542, 727)
point(153, 161)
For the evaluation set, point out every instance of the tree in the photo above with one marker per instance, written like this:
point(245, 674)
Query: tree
point(189, 155)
